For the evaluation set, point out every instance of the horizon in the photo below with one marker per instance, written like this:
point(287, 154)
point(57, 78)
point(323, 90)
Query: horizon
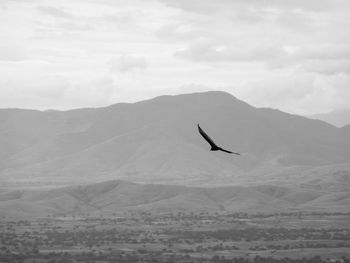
point(131, 102)
point(166, 95)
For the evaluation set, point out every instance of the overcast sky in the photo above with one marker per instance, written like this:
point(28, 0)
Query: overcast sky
point(293, 55)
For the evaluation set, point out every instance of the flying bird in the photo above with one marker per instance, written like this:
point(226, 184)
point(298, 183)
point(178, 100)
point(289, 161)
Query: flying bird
point(214, 147)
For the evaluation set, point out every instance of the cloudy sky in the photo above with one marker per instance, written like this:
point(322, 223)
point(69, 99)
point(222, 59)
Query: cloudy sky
point(293, 55)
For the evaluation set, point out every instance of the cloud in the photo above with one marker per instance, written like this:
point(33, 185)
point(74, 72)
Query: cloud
point(13, 52)
point(73, 26)
point(96, 91)
point(323, 59)
point(207, 51)
point(33, 91)
point(127, 63)
point(179, 31)
point(302, 94)
point(330, 67)
point(118, 17)
point(49, 87)
point(57, 92)
point(208, 6)
point(334, 51)
point(292, 54)
point(54, 11)
point(278, 34)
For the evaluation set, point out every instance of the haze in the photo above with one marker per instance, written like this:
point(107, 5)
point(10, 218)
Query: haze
point(290, 55)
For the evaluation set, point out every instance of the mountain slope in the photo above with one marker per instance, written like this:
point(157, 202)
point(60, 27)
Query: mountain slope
point(336, 118)
point(157, 141)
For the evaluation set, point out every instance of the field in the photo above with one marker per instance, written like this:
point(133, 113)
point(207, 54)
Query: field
point(179, 237)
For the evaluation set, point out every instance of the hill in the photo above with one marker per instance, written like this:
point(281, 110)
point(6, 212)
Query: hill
point(337, 118)
point(117, 196)
point(156, 141)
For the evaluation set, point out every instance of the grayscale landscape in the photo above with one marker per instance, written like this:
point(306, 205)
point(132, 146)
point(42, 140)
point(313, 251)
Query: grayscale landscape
point(175, 131)
point(156, 174)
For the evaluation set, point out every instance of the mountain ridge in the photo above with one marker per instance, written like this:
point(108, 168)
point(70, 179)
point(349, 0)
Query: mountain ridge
point(157, 141)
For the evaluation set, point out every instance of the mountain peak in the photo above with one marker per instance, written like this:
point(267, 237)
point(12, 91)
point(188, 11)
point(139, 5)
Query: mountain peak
point(182, 101)
point(212, 95)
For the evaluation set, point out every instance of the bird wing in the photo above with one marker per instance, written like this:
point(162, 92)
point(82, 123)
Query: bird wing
point(207, 138)
point(228, 151)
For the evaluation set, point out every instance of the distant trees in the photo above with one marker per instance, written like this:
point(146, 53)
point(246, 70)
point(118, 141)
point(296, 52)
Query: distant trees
point(170, 237)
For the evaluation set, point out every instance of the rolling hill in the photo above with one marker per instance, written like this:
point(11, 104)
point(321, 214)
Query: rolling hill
point(113, 197)
point(156, 141)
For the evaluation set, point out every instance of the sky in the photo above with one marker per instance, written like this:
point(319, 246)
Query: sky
point(293, 55)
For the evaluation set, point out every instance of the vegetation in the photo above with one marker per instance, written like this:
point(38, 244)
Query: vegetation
point(178, 237)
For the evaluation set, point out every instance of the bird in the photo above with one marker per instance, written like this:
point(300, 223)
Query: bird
point(213, 145)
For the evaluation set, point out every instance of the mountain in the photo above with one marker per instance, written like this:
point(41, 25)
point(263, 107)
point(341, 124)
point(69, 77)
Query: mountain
point(113, 197)
point(337, 118)
point(156, 141)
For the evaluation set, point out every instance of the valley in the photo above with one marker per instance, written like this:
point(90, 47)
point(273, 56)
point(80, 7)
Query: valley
point(297, 237)
point(135, 182)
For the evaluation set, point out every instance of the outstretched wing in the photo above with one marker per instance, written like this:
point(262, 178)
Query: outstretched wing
point(207, 138)
point(226, 151)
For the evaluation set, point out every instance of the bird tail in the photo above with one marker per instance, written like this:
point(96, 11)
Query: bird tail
point(229, 151)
